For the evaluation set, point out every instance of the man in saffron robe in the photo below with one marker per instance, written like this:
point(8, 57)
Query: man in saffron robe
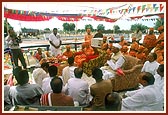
point(140, 54)
point(159, 49)
point(88, 36)
point(149, 41)
point(68, 53)
point(134, 47)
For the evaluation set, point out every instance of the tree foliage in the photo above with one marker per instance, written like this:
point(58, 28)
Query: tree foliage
point(72, 26)
point(80, 30)
point(101, 27)
point(140, 26)
point(116, 28)
point(5, 26)
point(159, 22)
point(47, 29)
point(68, 26)
point(89, 26)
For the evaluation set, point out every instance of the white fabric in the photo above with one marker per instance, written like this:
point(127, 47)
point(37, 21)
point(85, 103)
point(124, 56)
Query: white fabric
point(117, 45)
point(76, 103)
point(148, 98)
point(49, 99)
point(107, 74)
point(10, 43)
point(150, 67)
point(38, 75)
point(46, 85)
point(116, 65)
point(137, 35)
point(109, 71)
point(78, 89)
point(67, 73)
point(159, 82)
point(56, 41)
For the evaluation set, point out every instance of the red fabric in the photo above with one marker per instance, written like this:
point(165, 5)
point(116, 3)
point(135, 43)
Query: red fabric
point(23, 17)
point(42, 17)
point(68, 54)
point(61, 58)
point(120, 72)
point(7, 67)
point(56, 64)
point(10, 81)
point(79, 59)
point(91, 57)
point(44, 100)
point(78, 53)
point(38, 56)
point(136, 17)
point(33, 16)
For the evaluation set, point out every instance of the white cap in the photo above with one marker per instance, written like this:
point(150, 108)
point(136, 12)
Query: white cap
point(117, 45)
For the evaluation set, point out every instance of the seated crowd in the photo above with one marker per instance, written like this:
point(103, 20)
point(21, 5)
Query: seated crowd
point(47, 88)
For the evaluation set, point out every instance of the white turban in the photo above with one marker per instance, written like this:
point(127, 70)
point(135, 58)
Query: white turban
point(117, 45)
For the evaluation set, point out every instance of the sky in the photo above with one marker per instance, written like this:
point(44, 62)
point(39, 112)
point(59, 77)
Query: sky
point(59, 6)
point(52, 6)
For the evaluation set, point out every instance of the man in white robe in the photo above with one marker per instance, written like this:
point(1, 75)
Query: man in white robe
point(148, 98)
point(159, 79)
point(78, 89)
point(46, 81)
point(68, 71)
point(40, 73)
point(151, 65)
point(55, 43)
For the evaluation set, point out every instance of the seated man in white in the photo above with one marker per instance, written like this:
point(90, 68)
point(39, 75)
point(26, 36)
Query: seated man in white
point(40, 73)
point(78, 89)
point(159, 79)
point(115, 62)
point(151, 65)
point(68, 72)
point(148, 98)
point(46, 81)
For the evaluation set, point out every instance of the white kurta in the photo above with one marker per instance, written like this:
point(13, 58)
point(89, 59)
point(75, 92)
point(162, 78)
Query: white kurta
point(67, 73)
point(150, 67)
point(148, 98)
point(56, 40)
point(109, 71)
point(46, 85)
point(159, 82)
point(38, 75)
point(78, 89)
point(116, 65)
